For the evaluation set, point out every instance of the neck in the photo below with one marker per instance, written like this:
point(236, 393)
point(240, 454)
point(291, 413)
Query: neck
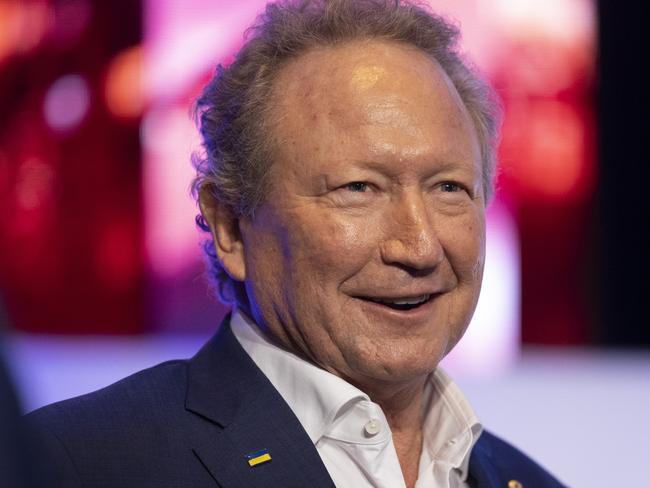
point(403, 410)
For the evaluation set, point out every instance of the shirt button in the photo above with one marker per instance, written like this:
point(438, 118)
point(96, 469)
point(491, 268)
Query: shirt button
point(372, 427)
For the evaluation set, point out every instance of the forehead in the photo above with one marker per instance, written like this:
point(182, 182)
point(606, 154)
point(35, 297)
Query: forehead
point(348, 75)
point(369, 91)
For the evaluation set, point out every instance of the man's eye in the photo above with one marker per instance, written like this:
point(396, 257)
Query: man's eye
point(357, 186)
point(450, 187)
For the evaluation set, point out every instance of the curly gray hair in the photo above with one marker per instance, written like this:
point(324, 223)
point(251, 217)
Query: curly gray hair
point(232, 111)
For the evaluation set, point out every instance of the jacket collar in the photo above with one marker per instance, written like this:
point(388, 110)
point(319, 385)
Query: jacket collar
point(482, 470)
point(221, 378)
point(226, 389)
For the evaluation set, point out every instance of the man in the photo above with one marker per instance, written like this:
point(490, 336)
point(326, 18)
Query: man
point(349, 155)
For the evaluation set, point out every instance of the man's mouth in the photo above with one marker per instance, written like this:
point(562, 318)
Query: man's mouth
point(404, 303)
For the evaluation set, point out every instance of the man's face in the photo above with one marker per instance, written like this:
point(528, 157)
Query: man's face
point(367, 255)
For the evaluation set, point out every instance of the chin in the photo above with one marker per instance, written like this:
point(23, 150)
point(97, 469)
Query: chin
point(400, 370)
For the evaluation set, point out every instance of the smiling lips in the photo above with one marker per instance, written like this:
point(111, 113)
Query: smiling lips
point(402, 303)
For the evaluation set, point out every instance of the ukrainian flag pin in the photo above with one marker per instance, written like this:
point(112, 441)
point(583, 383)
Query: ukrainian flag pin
point(258, 457)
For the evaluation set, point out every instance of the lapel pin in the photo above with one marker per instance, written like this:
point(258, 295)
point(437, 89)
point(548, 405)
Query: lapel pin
point(258, 457)
point(515, 484)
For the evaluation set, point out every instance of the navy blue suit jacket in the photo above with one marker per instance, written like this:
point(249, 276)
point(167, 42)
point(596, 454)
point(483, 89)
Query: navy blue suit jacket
point(191, 423)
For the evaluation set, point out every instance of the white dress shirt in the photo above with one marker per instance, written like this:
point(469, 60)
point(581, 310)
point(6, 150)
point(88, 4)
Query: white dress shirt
point(351, 433)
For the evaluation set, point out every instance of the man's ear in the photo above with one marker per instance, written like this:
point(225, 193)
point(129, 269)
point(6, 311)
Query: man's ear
point(224, 226)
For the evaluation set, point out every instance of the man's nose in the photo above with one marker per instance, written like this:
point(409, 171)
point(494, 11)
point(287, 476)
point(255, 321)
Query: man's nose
point(411, 237)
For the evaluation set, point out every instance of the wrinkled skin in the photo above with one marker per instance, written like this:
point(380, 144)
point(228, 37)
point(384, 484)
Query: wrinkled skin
point(375, 192)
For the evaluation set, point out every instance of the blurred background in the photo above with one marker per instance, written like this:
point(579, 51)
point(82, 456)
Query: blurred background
point(101, 273)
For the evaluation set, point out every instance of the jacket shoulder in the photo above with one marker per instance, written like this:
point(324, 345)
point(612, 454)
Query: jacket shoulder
point(161, 386)
point(119, 432)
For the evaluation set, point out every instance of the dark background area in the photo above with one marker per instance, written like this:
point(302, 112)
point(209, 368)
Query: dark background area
point(622, 223)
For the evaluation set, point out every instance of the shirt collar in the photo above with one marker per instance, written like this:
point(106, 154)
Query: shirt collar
point(315, 395)
point(451, 427)
point(318, 398)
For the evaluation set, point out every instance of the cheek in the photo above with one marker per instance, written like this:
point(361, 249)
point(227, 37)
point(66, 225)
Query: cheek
point(464, 243)
point(264, 258)
point(329, 246)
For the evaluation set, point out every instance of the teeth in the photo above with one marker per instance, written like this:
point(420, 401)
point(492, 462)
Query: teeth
point(403, 301)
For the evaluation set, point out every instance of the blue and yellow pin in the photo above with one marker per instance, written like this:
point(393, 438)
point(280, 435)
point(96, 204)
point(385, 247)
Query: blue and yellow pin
point(258, 457)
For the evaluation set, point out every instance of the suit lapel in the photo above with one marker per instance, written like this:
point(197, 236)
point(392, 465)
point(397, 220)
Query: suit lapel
point(226, 389)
